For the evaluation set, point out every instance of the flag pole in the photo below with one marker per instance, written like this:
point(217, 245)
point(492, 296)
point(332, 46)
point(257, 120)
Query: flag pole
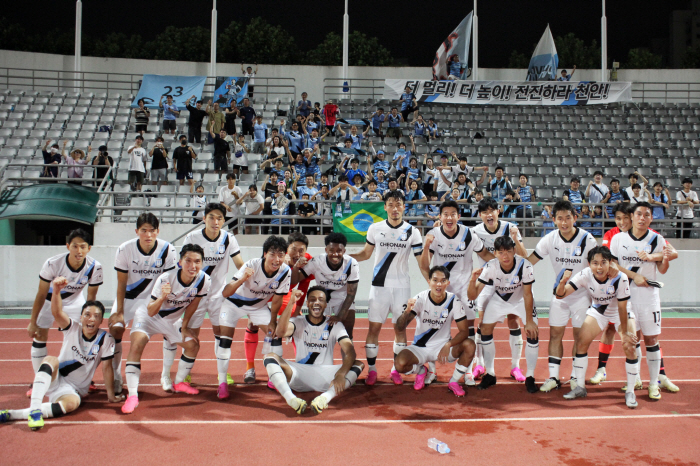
point(78, 41)
point(212, 58)
point(603, 45)
point(346, 32)
point(475, 45)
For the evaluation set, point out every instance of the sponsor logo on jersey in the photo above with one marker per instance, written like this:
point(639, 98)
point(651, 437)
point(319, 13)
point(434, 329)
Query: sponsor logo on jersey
point(568, 260)
point(433, 321)
point(80, 355)
point(444, 313)
point(647, 248)
point(343, 277)
point(631, 259)
point(192, 292)
point(393, 245)
point(311, 344)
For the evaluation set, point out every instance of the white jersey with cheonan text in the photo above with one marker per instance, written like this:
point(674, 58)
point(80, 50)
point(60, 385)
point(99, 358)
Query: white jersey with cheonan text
point(216, 255)
point(143, 268)
point(605, 295)
point(566, 255)
point(393, 247)
point(488, 238)
point(624, 248)
point(258, 289)
point(89, 273)
point(181, 294)
point(508, 284)
point(455, 252)
point(433, 319)
point(334, 281)
point(315, 342)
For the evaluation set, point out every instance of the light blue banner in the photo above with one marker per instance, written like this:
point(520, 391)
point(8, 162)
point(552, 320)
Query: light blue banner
point(230, 91)
point(182, 88)
point(544, 61)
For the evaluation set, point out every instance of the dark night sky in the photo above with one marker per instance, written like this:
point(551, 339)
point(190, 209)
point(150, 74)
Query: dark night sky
point(402, 27)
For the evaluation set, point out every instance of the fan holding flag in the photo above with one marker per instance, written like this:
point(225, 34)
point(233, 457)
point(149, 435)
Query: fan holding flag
point(446, 63)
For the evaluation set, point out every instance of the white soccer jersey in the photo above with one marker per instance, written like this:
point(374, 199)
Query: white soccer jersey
point(315, 342)
point(433, 320)
point(605, 295)
point(216, 255)
point(393, 246)
point(488, 238)
point(566, 255)
point(90, 273)
point(624, 248)
point(456, 170)
point(143, 268)
point(508, 285)
point(258, 289)
point(455, 252)
point(334, 281)
point(181, 294)
point(79, 357)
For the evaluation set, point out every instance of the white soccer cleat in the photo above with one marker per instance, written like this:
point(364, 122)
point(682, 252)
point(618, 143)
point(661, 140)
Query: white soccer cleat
point(319, 404)
point(573, 383)
point(598, 377)
point(469, 380)
point(430, 377)
point(550, 384)
point(249, 376)
point(166, 383)
point(665, 382)
point(630, 400)
point(654, 392)
point(298, 405)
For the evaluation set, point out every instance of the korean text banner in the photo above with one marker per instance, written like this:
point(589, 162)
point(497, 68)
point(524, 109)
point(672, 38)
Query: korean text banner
point(511, 92)
point(230, 91)
point(355, 220)
point(182, 88)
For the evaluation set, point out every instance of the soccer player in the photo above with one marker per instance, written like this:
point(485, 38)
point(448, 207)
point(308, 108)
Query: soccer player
point(609, 306)
point(435, 309)
point(259, 280)
point(66, 379)
point(452, 245)
point(512, 277)
point(79, 270)
point(313, 369)
point(176, 294)
point(218, 246)
point(339, 275)
point(138, 263)
point(394, 240)
point(567, 248)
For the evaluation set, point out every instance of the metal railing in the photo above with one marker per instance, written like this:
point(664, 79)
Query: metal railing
point(334, 88)
point(671, 93)
point(8, 181)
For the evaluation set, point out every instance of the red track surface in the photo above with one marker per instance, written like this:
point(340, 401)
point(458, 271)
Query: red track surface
point(383, 425)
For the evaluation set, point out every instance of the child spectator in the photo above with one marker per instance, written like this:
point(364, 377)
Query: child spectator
point(199, 202)
point(585, 216)
point(597, 227)
point(432, 210)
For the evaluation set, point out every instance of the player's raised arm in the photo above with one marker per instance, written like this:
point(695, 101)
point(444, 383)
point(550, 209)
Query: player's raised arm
point(426, 256)
point(61, 318)
point(475, 285)
point(407, 316)
point(564, 288)
point(232, 286)
point(160, 293)
point(519, 246)
point(284, 327)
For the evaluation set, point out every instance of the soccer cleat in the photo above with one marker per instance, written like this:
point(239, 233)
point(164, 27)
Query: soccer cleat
point(430, 377)
point(578, 392)
point(166, 383)
point(371, 378)
point(630, 400)
point(530, 385)
point(654, 392)
point(517, 374)
point(469, 379)
point(270, 385)
point(420, 379)
point(598, 377)
point(4, 416)
point(550, 384)
point(92, 388)
point(637, 385)
point(36, 422)
point(184, 387)
point(319, 404)
point(249, 376)
point(573, 383)
point(222, 392)
point(456, 389)
point(396, 378)
point(298, 405)
point(118, 385)
point(665, 382)
point(130, 404)
point(487, 381)
point(478, 372)
point(229, 380)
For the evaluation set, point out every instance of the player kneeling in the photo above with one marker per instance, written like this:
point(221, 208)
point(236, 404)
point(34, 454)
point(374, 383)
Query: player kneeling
point(313, 370)
point(609, 306)
point(436, 309)
point(67, 378)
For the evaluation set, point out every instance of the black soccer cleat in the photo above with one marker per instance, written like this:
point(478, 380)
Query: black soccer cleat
point(531, 385)
point(487, 381)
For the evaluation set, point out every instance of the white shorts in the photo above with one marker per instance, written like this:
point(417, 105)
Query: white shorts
point(60, 388)
point(572, 307)
point(648, 317)
point(312, 377)
point(230, 314)
point(484, 297)
point(428, 353)
point(156, 325)
point(45, 318)
point(461, 292)
point(383, 300)
point(211, 304)
point(497, 310)
point(605, 318)
point(130, 308)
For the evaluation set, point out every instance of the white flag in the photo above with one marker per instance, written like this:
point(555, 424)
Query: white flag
point(544, 61)
point(457, 43)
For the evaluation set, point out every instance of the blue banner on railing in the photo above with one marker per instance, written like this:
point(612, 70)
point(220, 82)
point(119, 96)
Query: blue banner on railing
point(182, 88)
point(230, 90)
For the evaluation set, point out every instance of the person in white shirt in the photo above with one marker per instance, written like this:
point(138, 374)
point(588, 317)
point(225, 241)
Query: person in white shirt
point(228, 197)
point(254, 203)
point(639, 194)
point(634, 178)
point(250, 74)
point(597, 191)
point(137, 163)
point(686, 200)
point(240, 155)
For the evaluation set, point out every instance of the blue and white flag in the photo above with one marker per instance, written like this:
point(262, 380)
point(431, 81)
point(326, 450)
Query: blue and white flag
point(457, 43)
point(544, 61)
point(230, 90)
point(182, 88)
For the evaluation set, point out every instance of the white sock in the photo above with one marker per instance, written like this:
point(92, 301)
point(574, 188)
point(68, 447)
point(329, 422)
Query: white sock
point(168, 356)
point(371, 351)
point(516, 347)
point(350, 379)
point(133, 374)
point(183, 368)
point(398, 347)
point(489, 351)
point(458, 373)
point(117, 360)
point(472, 337)
point(554, 366)
point(276, 346)
point(580, 367)
point(48, 410)
point(531, 352)
point(631, 369)
point(39, 352)
point(431, 366)
point(42, 382)
point(417, 369)
point(638, 351)
point(222, 358)
point(216, 345)
point(654, 363)
point(277, 377)
point(479, 351)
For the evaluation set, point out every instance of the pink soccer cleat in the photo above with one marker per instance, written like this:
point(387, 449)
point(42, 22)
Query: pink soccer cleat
point(456, 389)
point(270, 385)
point(420, 379)
point(517, 374)
point(478, 372)
point(184, 387)
point(222, 392)
point(396, 378)
point(371, 378)
point(130, 405)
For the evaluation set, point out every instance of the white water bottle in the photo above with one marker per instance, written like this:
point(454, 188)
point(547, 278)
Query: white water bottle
point(437, 445)
point(267, 344)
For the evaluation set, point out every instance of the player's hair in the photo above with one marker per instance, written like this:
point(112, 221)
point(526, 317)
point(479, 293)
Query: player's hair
point(562, 205)
point(447, 204)
point(603, 251)
point(191, 247)
point(97, 304)
point(275, 243)
point(503, 243)
point(636, 186)
point(439, 268)
point(337, 238)
point(395, 194)
point(317, 288)
point(212, 206)
point(79, 233)
point(231, 176)
point(147, 217)
point(300, 237)
point(641, 204)
point(487, 203)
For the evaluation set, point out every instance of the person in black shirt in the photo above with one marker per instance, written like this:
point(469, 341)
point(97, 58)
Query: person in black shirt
point(182, 162)
point(102, 158)
point(194, 124)
point(307, 211)
point(159, 164)
point(222, 150)
point(50, 157)
point(247, 115)
point(230, 123)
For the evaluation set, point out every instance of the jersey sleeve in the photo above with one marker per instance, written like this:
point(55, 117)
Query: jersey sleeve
point(206, 286)
point(578, 280)
point(660, 244)
point(542, 248)
point(72, 327)
point(460, 313)
point(97, 276)
point(233, 248)
point(528, 273)
point(283, 287)
point(420, 304)
point(354, 275)
point(156, 292)
point(486, 276)
point(121, 261)
point(310, 268)
point(171, 260)
point(298, 323)
point(47, 274)
point(416, 242)
point(107, 350)
point(370, 235)
point(340, 333)
point(478, 242)
point(615, 246)
point(623, 290)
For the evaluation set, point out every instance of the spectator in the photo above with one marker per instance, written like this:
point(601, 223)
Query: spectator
point(359, 182)
point(217, 120)
point(308, 124)
point(222, 150)
point(574, 194)
point(547, 224)
point(379, 163)
point(182, 162)
point(509, 210)
point(525, 193)
point(199, 202)
point(324, 180)
point(451, 195)
point(597, 227)
point(295, 138)
point(394, 121)
point(393, 185)
point(250, 74)
point(228, 196)
point(308, 188)
point(194, 123)
point(354, 136)
point(325, 208)
point(444, 177)
point(141, 115)
point(462, 167)
point(686, 200)
point(371, 194)
point(420, 128)
point(311, 140)
point(259, 135)
point(103, 161)
point(170, 114)
point(634, 178)
point(230, 115)
point(408, 104)
point(312, 157)
point(432, 210)
point(414, 195)
point(254, 204)
point(455, 68)
point(345, 193)
point(304, 105)
point(240, 156)
point(429, 171)
point(280, 207)
point(247, 114)
point(377, 119)
point(433, 129)
point(353, 170)
point(566, 77)
point(585, 221)
point(51, 157)
point(159, 163)
point(75, 161)
point(270, 184)
point(402, 156)
point(473, 211)
point(660, 202)
point(499, 186)
point(639, 195)
point(288, 180)
point(298, 168)
point(307, 211)
point(615, 196)
point(277, 149)
point(330, 114)
point(382, 182)
point(597, 191)
point(277, 168)
point(413, 172)
point(137, 163)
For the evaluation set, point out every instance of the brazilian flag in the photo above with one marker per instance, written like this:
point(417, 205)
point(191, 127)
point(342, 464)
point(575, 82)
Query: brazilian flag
point(355, 225)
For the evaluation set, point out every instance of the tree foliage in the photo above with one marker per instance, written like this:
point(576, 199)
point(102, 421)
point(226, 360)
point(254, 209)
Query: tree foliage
point(574, 51)
point(692, 58)
point(518, 60)
point(187, 44)
point(362, 51)
point(642, 59)
point(257, 42)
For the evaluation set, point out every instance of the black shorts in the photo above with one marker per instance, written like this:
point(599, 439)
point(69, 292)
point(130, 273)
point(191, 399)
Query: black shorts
point(140, 128)
point(240, 167)
point(220, 163)
point(169, 124)
point(408, 111)
point(194, 134)
point(247, 128)
point(233, 224)
point(253, 221)
point(184, 175)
